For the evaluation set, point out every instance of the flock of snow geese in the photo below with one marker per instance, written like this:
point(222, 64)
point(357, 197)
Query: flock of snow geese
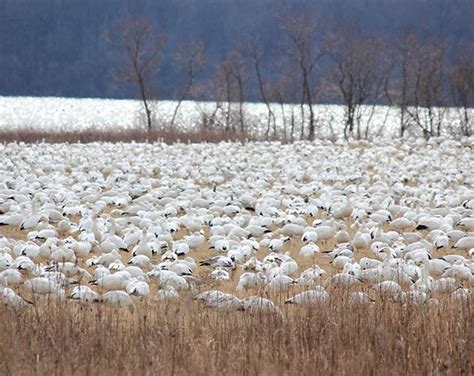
point(235, 226)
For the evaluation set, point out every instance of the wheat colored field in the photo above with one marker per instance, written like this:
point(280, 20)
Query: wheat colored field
point(397, 212)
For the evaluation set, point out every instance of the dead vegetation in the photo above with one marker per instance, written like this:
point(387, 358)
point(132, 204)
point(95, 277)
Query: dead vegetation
point(178, 338)
point(168, 136)
point(182, 337)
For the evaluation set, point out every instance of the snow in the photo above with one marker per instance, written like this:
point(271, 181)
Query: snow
point(80, 114)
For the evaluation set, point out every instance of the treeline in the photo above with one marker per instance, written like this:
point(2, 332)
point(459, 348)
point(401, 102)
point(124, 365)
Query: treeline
point(413, 54)
point(346, 65)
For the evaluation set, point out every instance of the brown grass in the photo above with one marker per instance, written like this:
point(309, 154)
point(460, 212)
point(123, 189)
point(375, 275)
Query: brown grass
point(183, 338)
point(186, 338)
point(168, 136)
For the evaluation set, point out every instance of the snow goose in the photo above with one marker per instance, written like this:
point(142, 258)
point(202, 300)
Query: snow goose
point(137, 287)
point(465, 243)
point(369, 263)
point(106, 259)
point(84, 294)
point(339, 262)
point(209, 294)
point(281, 282)
point(291, 229)
point(276, 245)
point(402, 224)
point(387, 288)
point(359, 297)
point(222, 261)
point(441, 241)
point(309, 298)
point(140, 260)
point(181, 249)
point(116, 281)
point(6, 260)
point(223, 301)
point(32, 220)
point(341, 210)
point(451, 259)
point(219, 274)
point(249, 280)
point(309, 250)
point(341, 280)
point(24, 264)
point(361, 241)
point(445, 285)
point(437, 267)
point(169, 278)
point(195, 240)
point(143, 248)
point(10, 298)
point(325, 232)
point(467, 223)
point(240, 254)
point(342, 236)
point(257, 305)
point(117, 299)
point(309, 276)
point(43, 286)
point(166, 293)
point(460, 271)
point(10, 277)
point(429, 223)
point(352, 268)
point(288, 266)
point(309, 235)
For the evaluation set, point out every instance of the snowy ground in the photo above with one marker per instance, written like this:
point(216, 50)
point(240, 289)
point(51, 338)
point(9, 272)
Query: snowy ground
point(72, 114)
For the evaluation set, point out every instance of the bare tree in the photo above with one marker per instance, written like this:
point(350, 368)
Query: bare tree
point(462, 89)
point(190, 60)
point(399, 92)
point(283, 90)
point(301, 31)
point(142, 46)
point(427, 91)
point(360, 71)
point(255, 53)
point(232, 76)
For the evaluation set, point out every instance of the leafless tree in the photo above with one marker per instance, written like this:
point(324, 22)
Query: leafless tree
point(398, 94)
point(190, 60)
point(306, 52)
point(360, 71)
point(283, 90)
point(427, 90)
point(232, 76)
point(255, 54)
point(462, 89)
point(142, 46)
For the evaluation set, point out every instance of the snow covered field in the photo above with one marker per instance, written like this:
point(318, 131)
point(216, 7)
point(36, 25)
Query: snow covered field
point(70, 114)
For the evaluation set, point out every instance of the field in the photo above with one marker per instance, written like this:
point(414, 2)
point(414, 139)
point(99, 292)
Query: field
point(102, 118)
point(105, 249)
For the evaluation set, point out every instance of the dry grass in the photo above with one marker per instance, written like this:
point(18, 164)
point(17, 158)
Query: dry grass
point(183, 338)
point(168, 136)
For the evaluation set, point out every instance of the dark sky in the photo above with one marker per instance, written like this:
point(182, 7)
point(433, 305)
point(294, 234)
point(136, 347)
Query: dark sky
point(57, 47)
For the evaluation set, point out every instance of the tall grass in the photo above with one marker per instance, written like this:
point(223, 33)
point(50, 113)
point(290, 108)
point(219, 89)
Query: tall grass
point(181, 338)
point(168, 136)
